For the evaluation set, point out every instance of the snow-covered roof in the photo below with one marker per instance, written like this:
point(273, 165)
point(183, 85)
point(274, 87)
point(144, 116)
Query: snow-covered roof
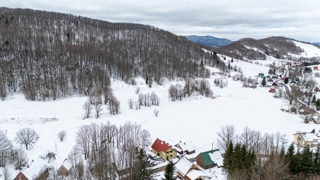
point(33, 167)
point(195, 174)
point(308, 136)
point(183, 165)
point(187, 146)
point(216, 157)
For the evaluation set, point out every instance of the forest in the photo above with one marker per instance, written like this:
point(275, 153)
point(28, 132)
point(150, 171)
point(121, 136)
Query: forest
point(48, 55)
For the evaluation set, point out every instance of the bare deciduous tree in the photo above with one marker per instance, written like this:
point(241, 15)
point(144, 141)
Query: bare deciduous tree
point(130, 103)
point(6, 173)
point(225, 136)
point(27, 137)
point(98, 109)
point(83, 140)
point(62, 135)
point(20, 159)
point(5, 146)
point(87, 108)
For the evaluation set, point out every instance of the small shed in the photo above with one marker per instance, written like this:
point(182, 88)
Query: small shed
point(315, 68)
point(210, 159)
point(261, 75)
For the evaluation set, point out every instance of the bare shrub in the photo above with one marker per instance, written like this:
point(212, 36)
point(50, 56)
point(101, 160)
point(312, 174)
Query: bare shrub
point(62, 135)
point(156, 112)
point(130, 103)
point(49, 155)
point(137, 90)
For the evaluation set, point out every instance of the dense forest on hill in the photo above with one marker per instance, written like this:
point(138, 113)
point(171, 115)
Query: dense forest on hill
point(252, 49)
point(49, 55)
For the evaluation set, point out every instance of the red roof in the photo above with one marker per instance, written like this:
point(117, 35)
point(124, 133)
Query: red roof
point(159, 146)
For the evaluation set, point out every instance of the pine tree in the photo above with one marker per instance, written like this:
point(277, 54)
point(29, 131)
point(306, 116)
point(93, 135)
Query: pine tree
point(307, 165)
point(314, 99)
point(169, 172)
point(316, 160)
point(264, 82)
point(142, 168)
point(227, 158)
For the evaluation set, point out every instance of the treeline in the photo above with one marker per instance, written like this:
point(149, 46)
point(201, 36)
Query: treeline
point(50, 55)
point(251, 155)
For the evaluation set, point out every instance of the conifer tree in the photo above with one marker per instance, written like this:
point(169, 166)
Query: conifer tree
point(169, 172)
point(307, 166)
point(290, 153)
point(142, 168)
point(264, 82)
point(316, 160)
point(227, 158)
point(314, 99)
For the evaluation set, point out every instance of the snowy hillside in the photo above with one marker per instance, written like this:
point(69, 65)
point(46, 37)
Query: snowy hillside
point(196, 118)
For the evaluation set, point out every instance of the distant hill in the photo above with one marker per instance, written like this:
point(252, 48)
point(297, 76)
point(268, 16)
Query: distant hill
point(209, 41)
point(252, 49)
point(316, 43)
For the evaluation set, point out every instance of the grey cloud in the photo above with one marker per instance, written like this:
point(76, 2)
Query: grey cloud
point(232, 19)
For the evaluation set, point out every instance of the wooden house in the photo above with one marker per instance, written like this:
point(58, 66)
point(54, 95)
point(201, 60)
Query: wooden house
point(305, 110)
point(189, 171)
point(162, 149)
point(306, 139)
point(210, 159)
point(32, 170)
point(185, 147)
point(65, 168)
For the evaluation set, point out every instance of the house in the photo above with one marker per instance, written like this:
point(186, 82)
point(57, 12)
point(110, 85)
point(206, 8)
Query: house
point(274, 84)
point(34, 169)
point(261, 75)
point(162, 149)
point(305, 110)
point(185, 147)
point(210, 159)
point(187, 170)
point(315, 68)
point(306, 139)
point(272, 90)
point(65, 168)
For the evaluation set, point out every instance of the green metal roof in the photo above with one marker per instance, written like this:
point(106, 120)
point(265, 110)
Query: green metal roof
point(206, 158)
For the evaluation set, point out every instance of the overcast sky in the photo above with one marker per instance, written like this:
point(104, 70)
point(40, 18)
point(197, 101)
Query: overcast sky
point(231, 19)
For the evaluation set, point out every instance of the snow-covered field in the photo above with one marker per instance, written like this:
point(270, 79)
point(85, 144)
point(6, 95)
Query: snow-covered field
point(196, 118)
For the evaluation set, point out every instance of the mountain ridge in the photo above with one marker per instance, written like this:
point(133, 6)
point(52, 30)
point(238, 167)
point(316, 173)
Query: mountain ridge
point(209, 41)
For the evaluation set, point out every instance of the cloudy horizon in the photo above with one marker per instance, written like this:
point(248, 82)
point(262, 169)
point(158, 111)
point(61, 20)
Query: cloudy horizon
point(230, 19)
